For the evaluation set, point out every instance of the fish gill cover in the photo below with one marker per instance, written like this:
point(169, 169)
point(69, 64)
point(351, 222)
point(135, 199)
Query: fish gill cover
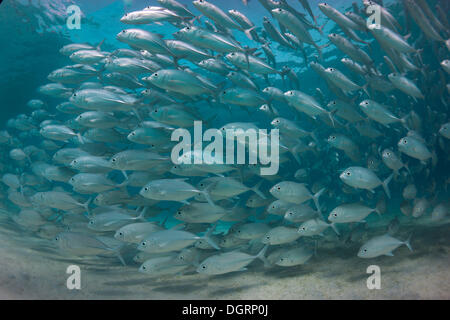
point(140, 135)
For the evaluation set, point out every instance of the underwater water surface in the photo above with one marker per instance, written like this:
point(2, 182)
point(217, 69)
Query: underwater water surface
point(355, 121)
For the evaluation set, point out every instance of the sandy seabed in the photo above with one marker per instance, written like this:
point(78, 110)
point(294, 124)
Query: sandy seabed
point(335, 273)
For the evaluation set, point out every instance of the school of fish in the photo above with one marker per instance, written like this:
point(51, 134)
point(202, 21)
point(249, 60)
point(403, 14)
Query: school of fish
point(92, 177)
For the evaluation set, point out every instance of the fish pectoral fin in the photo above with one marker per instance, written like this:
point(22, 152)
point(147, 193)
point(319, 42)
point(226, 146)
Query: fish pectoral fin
point(107, 224)
point(243, 269)
point(390, 254)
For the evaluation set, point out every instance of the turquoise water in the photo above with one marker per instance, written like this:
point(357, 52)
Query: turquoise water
point(32, 35)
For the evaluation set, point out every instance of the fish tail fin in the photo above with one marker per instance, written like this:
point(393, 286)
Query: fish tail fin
point(136, 112)
point(330, 114)
point(162, 223)
point(316, 198)
point(98, 47)
point(208, 239)
point(407, 168)
point(256, 190)
point(80, 138)
point(377, 211)
point(141, 216)
point(364, 88)
point(272, 109)
point(386, 185)
point(333, 226)
point(314, 135)
point(320, 29)
point(119, 255)
point(116, 251)
point(86, 205)
point(261, 255)
point(248, 32)
point(408, 243)
point(207, 195)
point(404, 121)
point(191, 22)
point(297, 157)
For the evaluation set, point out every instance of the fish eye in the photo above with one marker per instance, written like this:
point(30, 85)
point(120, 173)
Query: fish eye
point(113, 159)
point(405, 141)
point(74, 161)
point(146, 188)
point(348, 173)
point(203, 267)
point(303, 228)
point(74, 94)
point(224, 92)
point(178, 212)
point(188, 28)
point(365, 250)
point(366, 103)
point(334, 214)
point(278, 188)
point(144, 243)
point(91, 222)
point(156, 110)
point(133, 133)
point(56, 238)
point(120, 233)
point(268, 237)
